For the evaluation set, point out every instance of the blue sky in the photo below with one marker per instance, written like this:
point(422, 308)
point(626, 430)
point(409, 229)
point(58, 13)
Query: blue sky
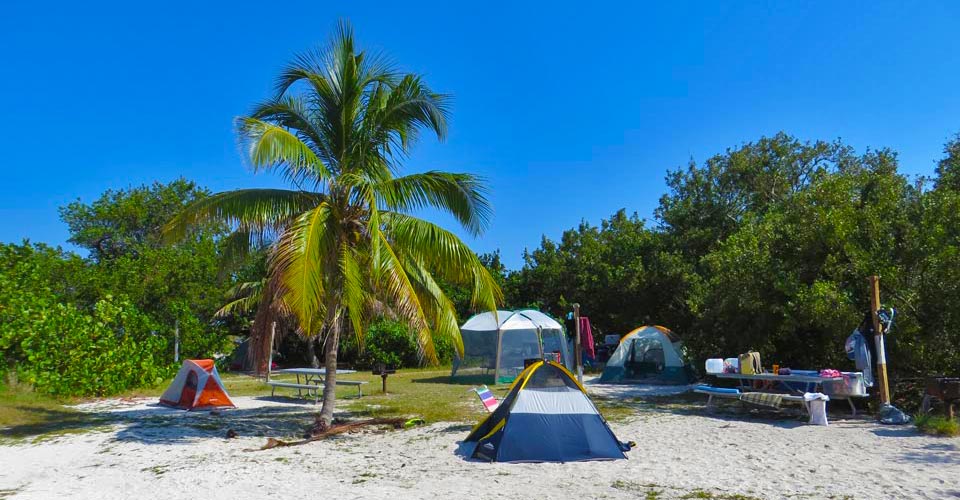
point(571, 111)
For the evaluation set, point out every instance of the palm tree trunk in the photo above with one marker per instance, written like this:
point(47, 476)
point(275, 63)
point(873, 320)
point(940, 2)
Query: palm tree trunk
point(324, 419)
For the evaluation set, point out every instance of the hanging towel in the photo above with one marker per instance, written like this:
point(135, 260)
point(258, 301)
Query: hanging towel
point(765, 399)
point(586, 339)
point(859, 351)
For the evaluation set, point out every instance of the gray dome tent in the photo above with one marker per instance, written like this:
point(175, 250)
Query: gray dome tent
point(502, 341)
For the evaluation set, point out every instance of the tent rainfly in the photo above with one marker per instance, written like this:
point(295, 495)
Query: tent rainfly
point(197, 386)
point(546, 417)
point(650, 354)
point(502, 342)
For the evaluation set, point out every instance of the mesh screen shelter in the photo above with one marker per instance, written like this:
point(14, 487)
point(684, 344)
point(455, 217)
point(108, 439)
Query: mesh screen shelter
point(501, 342)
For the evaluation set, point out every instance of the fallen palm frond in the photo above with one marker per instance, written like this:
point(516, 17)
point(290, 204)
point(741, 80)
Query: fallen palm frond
point(396, 423)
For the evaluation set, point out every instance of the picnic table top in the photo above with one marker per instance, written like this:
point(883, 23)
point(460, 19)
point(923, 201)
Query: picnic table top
point(310, 371)
point(780, 378)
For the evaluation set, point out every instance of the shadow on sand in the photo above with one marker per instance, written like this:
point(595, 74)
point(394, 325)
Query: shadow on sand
point(55, 422)
point(157, 424)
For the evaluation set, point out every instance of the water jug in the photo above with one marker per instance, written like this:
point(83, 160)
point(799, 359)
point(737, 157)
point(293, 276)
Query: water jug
point(714, 365)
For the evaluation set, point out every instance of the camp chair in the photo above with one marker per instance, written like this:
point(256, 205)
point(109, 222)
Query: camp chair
point(486, 396)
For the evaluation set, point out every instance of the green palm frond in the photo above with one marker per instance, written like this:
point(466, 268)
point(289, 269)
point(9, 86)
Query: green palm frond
point(355, 291)
point(440, 310)
point(272, 147)
point(462, 195)
point(392, 280)
point(242, 298)
point(445, 254)
point(255, 211)
point(301, 262)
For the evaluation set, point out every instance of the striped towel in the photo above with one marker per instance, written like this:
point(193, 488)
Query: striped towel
point(764, 399)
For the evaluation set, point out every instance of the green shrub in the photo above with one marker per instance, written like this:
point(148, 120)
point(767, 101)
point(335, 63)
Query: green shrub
point(937, 425)
point(70, 353)
point(388, 342)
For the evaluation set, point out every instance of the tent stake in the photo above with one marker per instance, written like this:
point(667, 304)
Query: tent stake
point(882, 382)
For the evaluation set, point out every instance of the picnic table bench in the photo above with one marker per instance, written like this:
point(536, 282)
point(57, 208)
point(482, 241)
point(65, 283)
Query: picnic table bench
point(722, 393)
point(312, 381)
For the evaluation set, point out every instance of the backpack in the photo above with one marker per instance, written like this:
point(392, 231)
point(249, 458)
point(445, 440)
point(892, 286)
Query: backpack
point(750, 363)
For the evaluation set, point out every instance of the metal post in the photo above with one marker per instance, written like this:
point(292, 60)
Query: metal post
point(496, 369)
point(577, 355)
point(176, 341)
point(883, 385)
point(273, 331)
point(540, 340)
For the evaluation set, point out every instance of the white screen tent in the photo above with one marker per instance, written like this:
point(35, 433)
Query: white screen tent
point(502, 342)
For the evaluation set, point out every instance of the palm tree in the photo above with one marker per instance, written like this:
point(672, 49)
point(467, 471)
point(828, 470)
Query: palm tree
point(343, 245)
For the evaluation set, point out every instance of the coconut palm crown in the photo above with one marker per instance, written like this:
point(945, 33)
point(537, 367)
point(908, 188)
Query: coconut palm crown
point(343, 244)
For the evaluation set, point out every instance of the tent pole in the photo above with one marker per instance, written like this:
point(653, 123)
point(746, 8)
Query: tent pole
point(577, 355)
point(884, 387)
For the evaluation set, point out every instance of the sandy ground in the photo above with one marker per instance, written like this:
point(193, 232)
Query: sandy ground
point(154, 452)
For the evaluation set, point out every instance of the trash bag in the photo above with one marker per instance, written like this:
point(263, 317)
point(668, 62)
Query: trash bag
point(891, 415)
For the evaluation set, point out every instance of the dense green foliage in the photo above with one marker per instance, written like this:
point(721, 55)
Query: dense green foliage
point(768, 247)
point(101, 324)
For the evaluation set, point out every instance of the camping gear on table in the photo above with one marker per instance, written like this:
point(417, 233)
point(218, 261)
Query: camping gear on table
point(501, 341)
point(731, 365)
point(714, 365)
point(817, 407)
point(649, 354)
point(546, 417)
point(197, 386)
point(853, 384)
point(750, 363)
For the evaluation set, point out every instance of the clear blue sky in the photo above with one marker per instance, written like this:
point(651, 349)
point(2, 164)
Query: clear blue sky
point(570, 111)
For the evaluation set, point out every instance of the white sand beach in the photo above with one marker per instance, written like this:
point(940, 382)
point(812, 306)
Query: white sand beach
point(154, 452)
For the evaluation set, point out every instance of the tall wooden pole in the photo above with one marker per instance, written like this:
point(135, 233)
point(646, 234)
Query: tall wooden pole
point(577, 355)
point(882, 384)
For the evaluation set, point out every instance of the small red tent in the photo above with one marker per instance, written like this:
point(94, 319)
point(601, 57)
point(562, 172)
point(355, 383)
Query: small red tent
point(196, 386)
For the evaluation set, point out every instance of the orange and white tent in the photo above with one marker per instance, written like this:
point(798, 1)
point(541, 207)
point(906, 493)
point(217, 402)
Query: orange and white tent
point(196, 386)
